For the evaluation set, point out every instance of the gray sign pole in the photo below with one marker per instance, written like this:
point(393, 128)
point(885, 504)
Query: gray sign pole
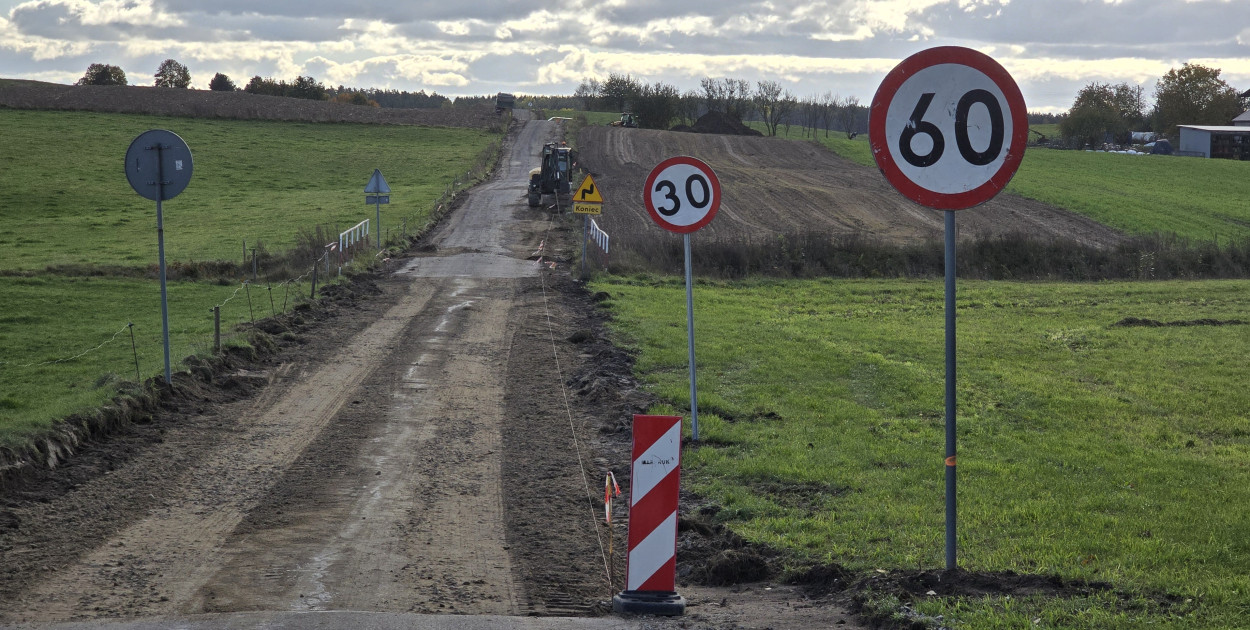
point(160, 246)
point(950, 391)
point(694, 391)
point(378, 206)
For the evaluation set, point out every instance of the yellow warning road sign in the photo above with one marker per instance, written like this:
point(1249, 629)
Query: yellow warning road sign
point(581, 207)
point(588, 192)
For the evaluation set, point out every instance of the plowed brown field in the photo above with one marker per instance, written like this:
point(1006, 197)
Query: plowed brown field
point(774, 186)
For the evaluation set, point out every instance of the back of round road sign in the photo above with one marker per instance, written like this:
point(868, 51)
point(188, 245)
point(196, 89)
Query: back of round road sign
point(158, 165)
point(948, 128)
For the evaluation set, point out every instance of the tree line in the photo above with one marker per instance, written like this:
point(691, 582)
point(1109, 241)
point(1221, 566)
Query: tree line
point(659, 105)
point(1192, 94)
point(172, 74)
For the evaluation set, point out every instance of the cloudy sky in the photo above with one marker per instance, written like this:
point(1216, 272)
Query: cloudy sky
point(1051, 47)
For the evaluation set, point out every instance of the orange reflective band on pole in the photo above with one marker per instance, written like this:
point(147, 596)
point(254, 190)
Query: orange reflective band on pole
point(950, 461)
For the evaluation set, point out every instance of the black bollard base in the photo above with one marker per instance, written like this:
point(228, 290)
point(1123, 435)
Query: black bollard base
point(667, 603)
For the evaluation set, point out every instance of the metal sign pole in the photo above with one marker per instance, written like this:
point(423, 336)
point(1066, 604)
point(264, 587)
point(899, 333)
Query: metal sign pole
point(160, 246)
point(694, 393)
point(950, 390)
point(585, 232)
point(378, 205)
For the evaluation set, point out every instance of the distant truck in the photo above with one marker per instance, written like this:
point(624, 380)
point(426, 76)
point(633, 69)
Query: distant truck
point(504, 100)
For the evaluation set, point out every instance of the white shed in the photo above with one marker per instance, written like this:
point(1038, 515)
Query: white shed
point(1226, 142)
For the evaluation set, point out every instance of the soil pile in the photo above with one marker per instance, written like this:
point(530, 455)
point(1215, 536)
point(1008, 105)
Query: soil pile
point(717, 122)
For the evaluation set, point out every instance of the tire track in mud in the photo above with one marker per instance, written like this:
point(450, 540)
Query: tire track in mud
point(163, 557)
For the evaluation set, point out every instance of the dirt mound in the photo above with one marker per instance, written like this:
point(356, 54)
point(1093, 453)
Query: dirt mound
point(235, 105)
point(717, 122)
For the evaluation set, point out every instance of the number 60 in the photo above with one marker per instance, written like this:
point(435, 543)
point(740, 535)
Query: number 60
point(916, 125)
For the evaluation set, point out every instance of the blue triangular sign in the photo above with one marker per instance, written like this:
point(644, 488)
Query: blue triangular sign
point(377, 184)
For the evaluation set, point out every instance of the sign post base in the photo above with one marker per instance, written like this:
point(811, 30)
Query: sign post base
point(666, 603)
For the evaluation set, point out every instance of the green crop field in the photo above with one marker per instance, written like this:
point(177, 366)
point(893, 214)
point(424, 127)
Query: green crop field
point(592, 118)
point(1090, 450)
point(65, 204)
point(64, 199)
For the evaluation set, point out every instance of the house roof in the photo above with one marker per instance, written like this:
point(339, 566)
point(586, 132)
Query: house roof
point(1244, 117)
point(1227, 128)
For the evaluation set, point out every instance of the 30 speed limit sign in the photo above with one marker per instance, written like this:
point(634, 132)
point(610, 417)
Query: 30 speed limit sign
point(948, 128)
point(682, 194)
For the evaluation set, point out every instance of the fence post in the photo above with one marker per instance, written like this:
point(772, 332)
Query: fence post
point(313, 294)
point(253, 263)
point(216, 330)
point(248, 289)
point(272, 310)
point(135, 350)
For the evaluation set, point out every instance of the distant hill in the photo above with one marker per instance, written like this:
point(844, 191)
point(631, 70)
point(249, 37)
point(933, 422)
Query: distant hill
point(18, 94)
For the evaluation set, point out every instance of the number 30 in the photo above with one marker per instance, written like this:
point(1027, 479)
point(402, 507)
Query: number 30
point(701, 203)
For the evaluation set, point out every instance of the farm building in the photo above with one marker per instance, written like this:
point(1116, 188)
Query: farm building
point(1229, 143)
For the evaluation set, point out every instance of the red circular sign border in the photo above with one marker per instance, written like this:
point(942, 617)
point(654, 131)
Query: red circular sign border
point(712, 179)
point(881, 105)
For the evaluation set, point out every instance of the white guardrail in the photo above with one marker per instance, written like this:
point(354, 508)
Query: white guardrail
point(601, 239)
point(352, 238)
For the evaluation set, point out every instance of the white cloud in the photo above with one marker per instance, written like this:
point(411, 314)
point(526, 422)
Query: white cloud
point(1052, 47)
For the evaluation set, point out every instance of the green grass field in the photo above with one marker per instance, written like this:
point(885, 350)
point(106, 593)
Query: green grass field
point(64, 198)
point(48, 321)
point(1093, 451)
point(592, 118)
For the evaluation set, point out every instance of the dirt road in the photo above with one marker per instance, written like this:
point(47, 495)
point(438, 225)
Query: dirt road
point(367, 477)
point(411, 448)
point(774, 186)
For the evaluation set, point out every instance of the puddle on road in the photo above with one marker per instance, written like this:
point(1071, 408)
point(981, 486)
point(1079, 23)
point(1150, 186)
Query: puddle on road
point(471, 265)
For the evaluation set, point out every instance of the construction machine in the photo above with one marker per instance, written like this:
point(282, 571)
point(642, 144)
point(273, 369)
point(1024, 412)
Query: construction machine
point(504, 101)
point(627, 120)
point(553, 176)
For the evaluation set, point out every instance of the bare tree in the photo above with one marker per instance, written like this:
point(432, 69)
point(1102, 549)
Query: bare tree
point(789, 108)
point(828, 104)
point(732, 97)
point(767, 101)
point(589, 92)
point(691, 102)
point(847, 115)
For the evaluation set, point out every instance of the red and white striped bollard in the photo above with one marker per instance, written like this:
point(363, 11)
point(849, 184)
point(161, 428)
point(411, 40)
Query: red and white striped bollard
point(654, 486)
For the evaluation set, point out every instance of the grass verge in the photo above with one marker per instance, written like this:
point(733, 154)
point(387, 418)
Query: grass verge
point(68, 346)
point(1088, 449)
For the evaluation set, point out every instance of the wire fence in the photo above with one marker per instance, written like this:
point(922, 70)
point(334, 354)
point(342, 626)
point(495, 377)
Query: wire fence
point(204, 320)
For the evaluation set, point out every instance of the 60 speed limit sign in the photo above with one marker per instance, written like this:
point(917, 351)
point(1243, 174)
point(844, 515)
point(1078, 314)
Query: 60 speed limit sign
point(682, 194)
point(948, 128)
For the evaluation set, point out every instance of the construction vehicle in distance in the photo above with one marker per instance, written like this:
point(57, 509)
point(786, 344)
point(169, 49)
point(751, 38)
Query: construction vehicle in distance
point(554, 175)
point(627, 120)
point(503, 101)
